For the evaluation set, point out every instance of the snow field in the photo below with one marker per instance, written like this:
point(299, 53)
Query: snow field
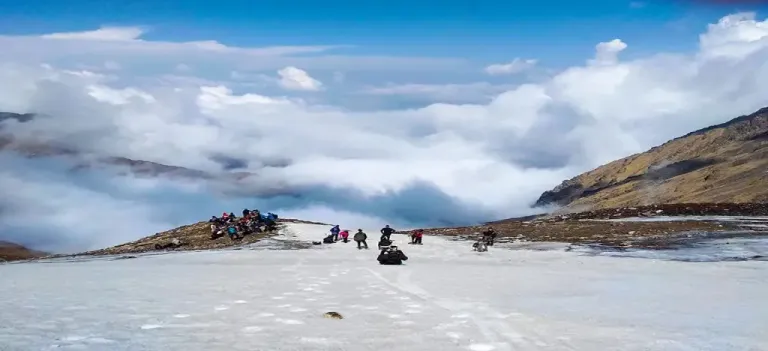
point(446, 297)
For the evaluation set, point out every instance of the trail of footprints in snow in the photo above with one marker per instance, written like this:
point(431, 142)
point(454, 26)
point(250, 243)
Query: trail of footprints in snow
point(313, 287)
point(252, 328)
point(306, 288)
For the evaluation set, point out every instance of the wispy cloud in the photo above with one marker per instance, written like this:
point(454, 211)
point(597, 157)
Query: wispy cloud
point(516, 66)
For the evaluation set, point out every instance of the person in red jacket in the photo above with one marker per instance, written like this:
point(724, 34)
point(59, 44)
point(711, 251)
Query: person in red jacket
point(344, 235)
point(416, 236)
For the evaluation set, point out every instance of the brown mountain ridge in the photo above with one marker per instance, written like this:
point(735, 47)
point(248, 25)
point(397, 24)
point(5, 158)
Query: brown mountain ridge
point(14, 252)
point(724, 163)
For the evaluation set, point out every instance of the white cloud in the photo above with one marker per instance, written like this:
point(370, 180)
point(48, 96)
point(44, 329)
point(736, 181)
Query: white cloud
point(103, 33)
point(118, 96)
point(470, 92)
point(734, 36)
point(85, 219)
point(292, 78)
point(441, 162)
point(126, 46)
point(517, 65)
point(607, 53)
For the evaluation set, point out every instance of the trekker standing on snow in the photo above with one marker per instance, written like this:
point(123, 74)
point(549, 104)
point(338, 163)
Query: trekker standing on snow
point(489, 236)
point(387, 231)
point(335, 232)
point(360, 238)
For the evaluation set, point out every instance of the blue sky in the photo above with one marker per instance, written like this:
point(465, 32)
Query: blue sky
point(556, 32)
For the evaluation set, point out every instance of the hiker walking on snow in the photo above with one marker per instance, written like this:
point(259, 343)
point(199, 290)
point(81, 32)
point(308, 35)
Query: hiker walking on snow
point(360, 238)
point(387, 231)
point(335, 232)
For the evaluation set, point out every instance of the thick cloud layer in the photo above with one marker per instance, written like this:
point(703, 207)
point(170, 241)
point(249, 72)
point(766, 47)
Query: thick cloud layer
point(308, 155)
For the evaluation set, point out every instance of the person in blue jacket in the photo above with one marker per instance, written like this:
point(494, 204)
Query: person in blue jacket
point(335, 232)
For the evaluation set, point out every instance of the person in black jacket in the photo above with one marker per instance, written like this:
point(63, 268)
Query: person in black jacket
point(392, 256)
point(387, 231)
point(360, 237)
point(489, 236)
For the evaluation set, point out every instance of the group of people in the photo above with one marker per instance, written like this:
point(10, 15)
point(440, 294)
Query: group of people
point(390, 254)
point(360, 237)
point(236, 228)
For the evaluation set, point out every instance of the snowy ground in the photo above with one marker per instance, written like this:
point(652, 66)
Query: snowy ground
point(446, 298)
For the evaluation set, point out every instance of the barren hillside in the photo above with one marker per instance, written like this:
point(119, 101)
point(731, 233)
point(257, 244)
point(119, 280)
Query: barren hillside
point(14, 252)
point(721, 163)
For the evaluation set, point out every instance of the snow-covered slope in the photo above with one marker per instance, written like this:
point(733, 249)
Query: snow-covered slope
point(445, 298)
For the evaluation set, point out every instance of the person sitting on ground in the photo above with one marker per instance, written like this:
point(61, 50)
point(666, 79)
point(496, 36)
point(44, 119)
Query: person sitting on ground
point(216, 231)
point(246, 212)
point(253, 225)
point(242, 226)
point(256, 214)
point(274, 216)
point(392, 256)
point(344, 235)
point(232, 232)
point(270, 224)
point(387, 231)
point(384, 242)
point(328, 239)
point(214, 220)
point(360, 238)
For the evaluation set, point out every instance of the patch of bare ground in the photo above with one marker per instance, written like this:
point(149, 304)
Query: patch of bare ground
point(191, 237)
point(592, 227)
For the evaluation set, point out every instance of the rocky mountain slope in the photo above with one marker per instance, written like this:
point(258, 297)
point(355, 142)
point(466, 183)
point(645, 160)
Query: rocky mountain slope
point(722, 163)
point(14, 252)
